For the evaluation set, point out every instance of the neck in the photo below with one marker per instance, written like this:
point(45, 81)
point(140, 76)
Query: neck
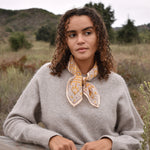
point(85, 66)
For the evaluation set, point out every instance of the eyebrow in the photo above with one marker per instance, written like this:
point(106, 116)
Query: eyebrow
point(90, 27)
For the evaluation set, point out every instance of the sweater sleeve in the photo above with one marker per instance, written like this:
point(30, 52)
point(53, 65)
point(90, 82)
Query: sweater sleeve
point(129, 124)
point(21, 123)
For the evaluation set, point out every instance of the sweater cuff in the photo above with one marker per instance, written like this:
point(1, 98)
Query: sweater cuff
point(109, 137)
point(40, 136)
point(123, 142)
point(114, 142)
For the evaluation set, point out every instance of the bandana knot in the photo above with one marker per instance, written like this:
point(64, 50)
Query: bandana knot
point(79, 85)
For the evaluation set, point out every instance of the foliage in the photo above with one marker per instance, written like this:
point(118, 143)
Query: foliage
point(128, 33)
point(46, 33)
point(145, 89)
point(8, 29)
point(17, 41)
point(106, 13)
point(148, 25)
point(144, 36)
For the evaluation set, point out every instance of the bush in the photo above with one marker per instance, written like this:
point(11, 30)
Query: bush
point(8, 29)
point(17, 41)
point(144, 36)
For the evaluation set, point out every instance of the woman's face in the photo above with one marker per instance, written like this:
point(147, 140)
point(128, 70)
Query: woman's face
point(81, 38)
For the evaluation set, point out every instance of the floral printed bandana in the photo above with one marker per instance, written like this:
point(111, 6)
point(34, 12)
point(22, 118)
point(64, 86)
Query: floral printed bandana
point(78, 85)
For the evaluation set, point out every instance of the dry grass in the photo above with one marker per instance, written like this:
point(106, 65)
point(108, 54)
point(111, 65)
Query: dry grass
point(139, 53)
point(12, 76)
point(41, 51)
point(133, 63)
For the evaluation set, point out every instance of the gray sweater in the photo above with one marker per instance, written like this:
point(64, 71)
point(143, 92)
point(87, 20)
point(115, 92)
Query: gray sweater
point(44, 100)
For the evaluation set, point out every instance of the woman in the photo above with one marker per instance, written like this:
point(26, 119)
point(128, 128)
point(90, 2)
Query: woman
point(81, 101)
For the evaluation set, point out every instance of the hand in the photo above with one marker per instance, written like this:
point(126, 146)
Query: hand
point(61, 143)
point(103, 144)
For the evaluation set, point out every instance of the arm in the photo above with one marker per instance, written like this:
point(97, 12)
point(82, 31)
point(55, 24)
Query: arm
point(21, 123)
point(129, 125)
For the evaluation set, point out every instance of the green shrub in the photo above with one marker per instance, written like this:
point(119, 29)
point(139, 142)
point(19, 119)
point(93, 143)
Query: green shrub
point(144, 36)
point(145, 90)
point(8, 29)
point(17, 41)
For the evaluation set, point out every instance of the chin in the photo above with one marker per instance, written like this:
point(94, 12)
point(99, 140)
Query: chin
point(82, 58)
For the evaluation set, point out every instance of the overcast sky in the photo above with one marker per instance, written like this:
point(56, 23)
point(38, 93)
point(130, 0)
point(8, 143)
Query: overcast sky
point(137, 10)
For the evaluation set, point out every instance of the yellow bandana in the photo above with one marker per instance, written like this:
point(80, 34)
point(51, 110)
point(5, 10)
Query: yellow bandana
point(78, 85)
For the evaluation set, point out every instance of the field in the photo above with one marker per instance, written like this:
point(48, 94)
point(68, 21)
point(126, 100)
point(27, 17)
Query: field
point(17, 68)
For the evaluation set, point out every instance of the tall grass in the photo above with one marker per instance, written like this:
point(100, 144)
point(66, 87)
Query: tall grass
point(145, 90)
point(138, 52)
point(133, 72)
point(12, 83)
point(132, 62)
point(13, 80)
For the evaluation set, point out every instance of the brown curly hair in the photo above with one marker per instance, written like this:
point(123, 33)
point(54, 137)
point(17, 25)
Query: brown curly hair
point(103, 55)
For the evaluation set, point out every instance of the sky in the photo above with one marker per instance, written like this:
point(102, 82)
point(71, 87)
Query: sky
point(137, 10)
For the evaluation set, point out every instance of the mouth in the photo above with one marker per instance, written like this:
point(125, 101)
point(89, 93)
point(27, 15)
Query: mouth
point(82, 49)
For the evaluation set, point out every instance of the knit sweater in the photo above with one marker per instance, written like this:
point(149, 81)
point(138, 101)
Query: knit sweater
point(44, 100)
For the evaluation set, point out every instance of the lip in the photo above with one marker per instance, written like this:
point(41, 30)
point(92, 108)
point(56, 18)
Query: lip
point(82, 49)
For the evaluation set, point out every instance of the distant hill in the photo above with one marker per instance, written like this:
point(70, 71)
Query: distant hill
point(25, 20)
point(30, 20)
point(144, 27)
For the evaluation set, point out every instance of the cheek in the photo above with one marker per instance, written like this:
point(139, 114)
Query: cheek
point(94, 44)
point(70, 45)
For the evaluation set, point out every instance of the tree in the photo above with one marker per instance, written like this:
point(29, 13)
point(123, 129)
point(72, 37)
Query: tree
point(43, 34)
point(148, 25)
point(106, 13)
point(47, 34)
point(128, 33)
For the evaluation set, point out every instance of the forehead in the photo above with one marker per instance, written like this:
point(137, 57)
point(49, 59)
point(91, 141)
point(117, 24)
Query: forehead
point(79, 22)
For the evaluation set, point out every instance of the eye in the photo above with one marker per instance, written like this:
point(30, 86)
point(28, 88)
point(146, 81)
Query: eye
point(88, 32)
point(72, 35)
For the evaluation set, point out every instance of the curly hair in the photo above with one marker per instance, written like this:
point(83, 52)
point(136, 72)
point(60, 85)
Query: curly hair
point(103, 55)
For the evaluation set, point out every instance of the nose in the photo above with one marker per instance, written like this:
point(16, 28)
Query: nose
point(80, 39)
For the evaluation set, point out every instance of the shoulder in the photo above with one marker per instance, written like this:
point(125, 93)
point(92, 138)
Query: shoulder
point(44, 70)
point(45, 67)
point(116, 78)
point(118, 83)
point(115, 81)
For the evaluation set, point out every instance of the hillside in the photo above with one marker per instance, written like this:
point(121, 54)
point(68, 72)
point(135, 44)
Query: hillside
point(30, 20)
point(144, 27)
point(25, 20)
